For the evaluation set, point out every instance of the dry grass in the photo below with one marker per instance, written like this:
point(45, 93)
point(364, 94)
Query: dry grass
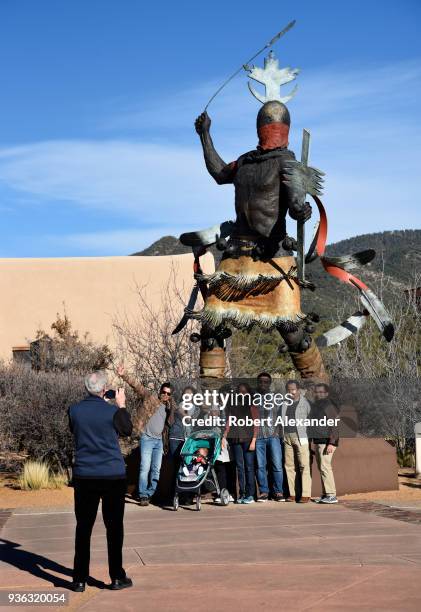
point(12, 496)
point(37, 475)
point(58, 480)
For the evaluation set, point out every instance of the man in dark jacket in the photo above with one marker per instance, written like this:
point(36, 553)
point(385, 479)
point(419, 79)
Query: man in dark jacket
point(268, 445)
point(325, 441)
point(99, 473)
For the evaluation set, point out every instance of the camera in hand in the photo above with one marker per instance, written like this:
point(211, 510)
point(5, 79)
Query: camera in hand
point(110, 394)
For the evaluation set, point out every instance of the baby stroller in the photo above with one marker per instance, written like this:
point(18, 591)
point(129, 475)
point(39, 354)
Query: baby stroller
point(193, 482)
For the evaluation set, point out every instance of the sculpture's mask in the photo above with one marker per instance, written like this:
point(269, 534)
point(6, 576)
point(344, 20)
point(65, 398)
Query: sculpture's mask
point(273, 122)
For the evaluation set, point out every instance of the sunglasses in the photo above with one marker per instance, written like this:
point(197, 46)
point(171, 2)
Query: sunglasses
point(166, 393)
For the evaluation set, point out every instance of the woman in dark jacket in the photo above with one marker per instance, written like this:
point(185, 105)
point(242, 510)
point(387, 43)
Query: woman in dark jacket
point(242, 440)
point(179, 432)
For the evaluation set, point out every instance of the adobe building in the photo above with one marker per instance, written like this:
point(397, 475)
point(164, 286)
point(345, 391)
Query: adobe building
point(93, 291)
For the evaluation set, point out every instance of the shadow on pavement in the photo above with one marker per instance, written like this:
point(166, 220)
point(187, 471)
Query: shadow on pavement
point(37, 565)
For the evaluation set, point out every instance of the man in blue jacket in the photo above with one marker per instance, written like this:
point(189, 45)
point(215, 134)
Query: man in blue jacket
point(99, 473)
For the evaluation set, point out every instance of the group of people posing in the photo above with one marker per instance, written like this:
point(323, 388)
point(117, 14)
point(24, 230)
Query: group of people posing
point(260, 451)
point(248, 452)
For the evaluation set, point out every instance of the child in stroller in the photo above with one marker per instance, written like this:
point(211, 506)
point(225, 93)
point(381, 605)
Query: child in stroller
point(198, 463)
point(198, 455)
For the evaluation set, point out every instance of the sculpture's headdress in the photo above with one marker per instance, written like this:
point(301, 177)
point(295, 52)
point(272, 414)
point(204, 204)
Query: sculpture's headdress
point(272, 77)
point(271, 66)
point(273, 120)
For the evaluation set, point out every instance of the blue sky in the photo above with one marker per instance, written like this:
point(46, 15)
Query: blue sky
point(98, 155)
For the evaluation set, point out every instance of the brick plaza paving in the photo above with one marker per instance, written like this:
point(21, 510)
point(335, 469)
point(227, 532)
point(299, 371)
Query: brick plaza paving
point(273, 556)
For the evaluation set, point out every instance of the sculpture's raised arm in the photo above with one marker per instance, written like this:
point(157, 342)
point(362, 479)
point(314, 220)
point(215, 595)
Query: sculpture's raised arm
point(222, 173)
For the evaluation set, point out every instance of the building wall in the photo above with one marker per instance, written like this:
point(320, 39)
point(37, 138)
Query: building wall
point(94, 290)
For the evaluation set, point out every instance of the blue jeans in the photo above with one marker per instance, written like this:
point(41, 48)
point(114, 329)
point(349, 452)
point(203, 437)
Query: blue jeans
point(273, 448)
point(244, 460)
point(150, 464)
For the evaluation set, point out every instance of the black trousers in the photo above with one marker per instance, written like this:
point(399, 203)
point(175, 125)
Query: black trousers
point(88, 493)
point(226, 475)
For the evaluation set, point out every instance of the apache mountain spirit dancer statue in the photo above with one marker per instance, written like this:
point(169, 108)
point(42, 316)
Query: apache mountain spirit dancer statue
point(258, 281)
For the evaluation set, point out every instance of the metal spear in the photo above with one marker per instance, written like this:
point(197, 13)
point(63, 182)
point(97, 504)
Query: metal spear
point(301, 224)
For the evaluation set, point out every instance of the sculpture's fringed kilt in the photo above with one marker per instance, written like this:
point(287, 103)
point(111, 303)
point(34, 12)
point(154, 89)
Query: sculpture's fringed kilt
point(243, 292)
point(232, 287)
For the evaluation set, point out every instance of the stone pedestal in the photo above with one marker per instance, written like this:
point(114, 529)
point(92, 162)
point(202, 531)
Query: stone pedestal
point(361, 465)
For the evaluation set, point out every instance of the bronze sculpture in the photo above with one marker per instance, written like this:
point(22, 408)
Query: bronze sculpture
point(258, 281)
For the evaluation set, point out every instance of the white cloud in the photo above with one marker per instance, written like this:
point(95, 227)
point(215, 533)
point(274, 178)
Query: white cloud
point(148, 182)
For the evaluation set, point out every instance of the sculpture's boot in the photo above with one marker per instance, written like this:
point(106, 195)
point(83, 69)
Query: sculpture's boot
point(309, 363)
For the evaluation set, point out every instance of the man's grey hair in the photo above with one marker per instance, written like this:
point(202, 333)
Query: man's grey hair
point(96, 382)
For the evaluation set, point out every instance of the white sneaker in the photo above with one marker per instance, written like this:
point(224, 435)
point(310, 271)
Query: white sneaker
point(231, 499)
point(329, 499)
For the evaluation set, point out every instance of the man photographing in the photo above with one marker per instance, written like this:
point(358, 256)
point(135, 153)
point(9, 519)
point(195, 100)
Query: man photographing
point(99, 473)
